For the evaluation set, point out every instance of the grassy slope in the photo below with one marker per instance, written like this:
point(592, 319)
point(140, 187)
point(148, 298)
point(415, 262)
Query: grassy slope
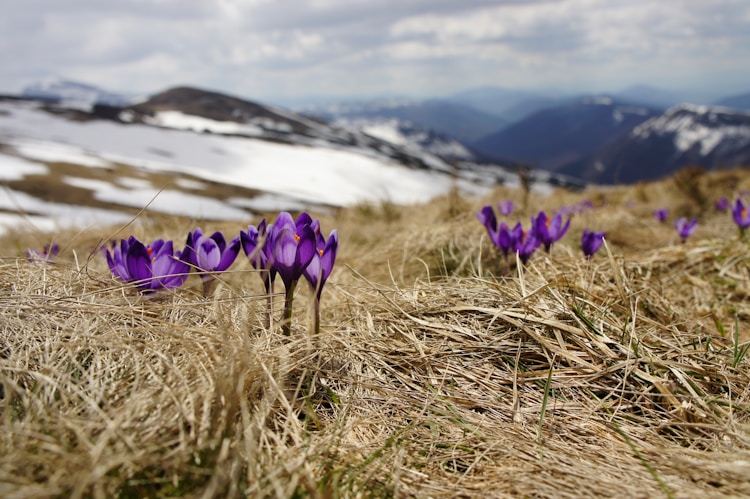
point(439, 371)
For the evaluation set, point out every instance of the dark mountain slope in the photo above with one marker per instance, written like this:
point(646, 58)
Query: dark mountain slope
point(554, 137)
point(684, 135)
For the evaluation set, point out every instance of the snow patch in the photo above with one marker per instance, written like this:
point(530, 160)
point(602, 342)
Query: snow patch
point(182, 121)
point(15, 168)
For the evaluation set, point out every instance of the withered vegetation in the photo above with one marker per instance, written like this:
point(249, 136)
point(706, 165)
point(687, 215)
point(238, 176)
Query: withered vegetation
point(440, 369)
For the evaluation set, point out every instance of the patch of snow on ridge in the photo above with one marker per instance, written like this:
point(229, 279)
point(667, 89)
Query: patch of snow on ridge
point(49, 216)
point(53, 152)
point(15, 168)
point(692, 125)
point(172, 203)
point(182, 121)
point(386, 130)
point(164, 201)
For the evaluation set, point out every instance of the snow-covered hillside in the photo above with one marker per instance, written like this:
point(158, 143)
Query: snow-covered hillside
point(285, 175)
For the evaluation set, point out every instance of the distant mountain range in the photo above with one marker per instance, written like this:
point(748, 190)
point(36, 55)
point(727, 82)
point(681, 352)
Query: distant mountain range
point(74, 94)
point(604, 138)
point(460, 121)
point(551, 138)
point(685, 135)
point(593, 137)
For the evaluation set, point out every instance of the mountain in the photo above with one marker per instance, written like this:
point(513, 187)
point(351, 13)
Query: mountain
point(554, 137)
point(684, 135)
point(509, 104)
point(212, 112)
point(211, 156)
point(73, 94)
point(739, 102)
point(654, 97)
point(454, 119)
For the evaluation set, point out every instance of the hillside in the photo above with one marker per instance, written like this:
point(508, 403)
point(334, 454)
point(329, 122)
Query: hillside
point(439, 369)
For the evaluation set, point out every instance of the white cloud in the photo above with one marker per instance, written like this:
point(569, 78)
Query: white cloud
point(260, 48)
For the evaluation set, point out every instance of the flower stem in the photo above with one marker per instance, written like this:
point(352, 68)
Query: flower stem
point(209, 284)
point(268, 284)
point(317, 317)
point(286, 324)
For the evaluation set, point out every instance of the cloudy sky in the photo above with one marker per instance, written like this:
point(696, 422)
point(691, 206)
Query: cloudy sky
point(286, 51)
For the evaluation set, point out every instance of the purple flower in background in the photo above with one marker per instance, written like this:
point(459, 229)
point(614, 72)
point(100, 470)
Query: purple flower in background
point(505, 237)
point(210, 254)
point(526, 245)
point(685, 227)
point(150, 267)
point(549, 230)
point(487, 218)
point(740, 215)
point(661, 214)
point(721, 204)
point(48, 253)
point(591, 242)
point(506, 207)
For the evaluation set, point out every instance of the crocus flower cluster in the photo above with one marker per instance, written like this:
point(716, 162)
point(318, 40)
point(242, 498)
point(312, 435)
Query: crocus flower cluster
point(543, 230)
point(291, 249)
point(288, 248)
point(150, 267)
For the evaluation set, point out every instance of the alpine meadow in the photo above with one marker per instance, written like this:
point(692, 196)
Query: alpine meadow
point(430, 365)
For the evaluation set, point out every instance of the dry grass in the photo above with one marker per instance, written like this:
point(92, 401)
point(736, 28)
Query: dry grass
point(439, 370)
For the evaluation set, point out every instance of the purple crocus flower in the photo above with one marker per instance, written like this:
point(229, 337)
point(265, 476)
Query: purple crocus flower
point(526, 244)
point(591, 242)
point(48, 253)
point(740, 215)
point(549, 230)
point(685, 227)
point(721, 204)
point(661, 214)
point(150, 267)
point(506, 207)
point(291, 247)
point(505, 237)
point(320, 268)
point(321, 265)
point(254, 245)
point(210, 254)
point(487, 217)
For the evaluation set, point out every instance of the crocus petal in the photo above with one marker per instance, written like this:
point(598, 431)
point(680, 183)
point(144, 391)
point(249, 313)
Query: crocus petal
point(328, 258)
point(207, 254)
point(138, 261)
point(229, 255)
point(487, 218)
